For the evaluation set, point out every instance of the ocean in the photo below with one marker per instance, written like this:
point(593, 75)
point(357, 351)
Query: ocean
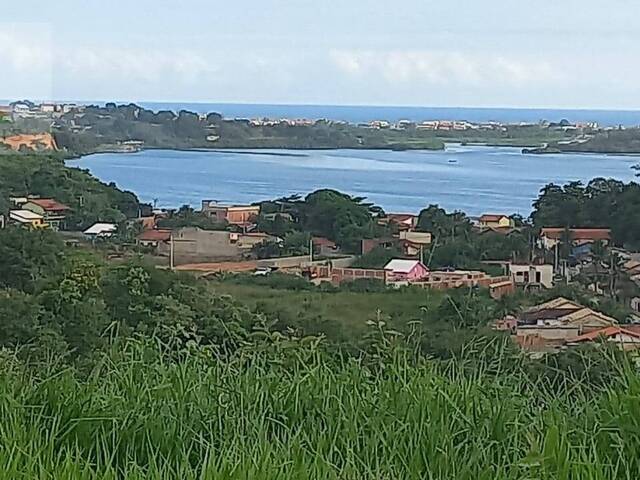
point(360, 114)
point(474, 179)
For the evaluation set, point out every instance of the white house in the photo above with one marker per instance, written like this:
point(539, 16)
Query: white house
point(101, 230)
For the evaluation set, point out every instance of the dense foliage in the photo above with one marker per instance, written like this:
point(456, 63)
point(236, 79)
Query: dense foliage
point(457, 244)
point(104, 128)
point(602, 203)
point(48, 177)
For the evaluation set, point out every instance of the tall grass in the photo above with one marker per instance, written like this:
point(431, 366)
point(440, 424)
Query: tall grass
point(291, 411)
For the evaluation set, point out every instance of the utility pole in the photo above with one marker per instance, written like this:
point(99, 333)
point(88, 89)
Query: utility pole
point(171, 259)
point(311, 250)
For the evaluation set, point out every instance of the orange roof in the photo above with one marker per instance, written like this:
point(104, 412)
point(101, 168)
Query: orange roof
point(49, 204)
point(578, 233)
point(155, 236)
point(605, 332)
point(492, 217)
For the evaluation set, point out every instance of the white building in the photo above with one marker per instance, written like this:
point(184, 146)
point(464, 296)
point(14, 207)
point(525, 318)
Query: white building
point(526, 275)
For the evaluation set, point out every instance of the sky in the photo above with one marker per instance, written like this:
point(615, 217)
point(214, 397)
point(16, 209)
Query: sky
point(460, 53)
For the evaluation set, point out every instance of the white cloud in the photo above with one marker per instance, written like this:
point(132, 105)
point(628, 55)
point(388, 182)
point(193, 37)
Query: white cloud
point(445, 67)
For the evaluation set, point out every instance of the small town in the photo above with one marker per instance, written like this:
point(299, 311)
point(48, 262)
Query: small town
point(319, 240)
point(234, 248)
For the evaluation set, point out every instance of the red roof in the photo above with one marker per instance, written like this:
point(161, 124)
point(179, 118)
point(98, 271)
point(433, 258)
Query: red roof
point(49, 204)
point(578, 233)
point(605, 332)
point(155, 236)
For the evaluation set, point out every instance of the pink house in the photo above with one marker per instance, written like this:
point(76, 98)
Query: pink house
point(405, 270)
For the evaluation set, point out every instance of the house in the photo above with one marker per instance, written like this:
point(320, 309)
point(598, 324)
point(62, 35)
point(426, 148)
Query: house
point(495, 220)
point(232, 214)
point(550, 237)
point(404, 221)
point(413, 243)
point(622, 337)
point(324, 246)
point(47, 108)
point(155, 239)
point(27, 218)
point(528, 275)
point(398, 270)
point(101, 230)
point(550, 325)
point(53, 212)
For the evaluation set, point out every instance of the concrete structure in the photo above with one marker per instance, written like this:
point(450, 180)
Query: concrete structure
point(232, 214)
point(527, 275)
point(27, 218)
point(194, 245)
point(158, 239)
point(550, 237)
point(495, 220)
point(53, 212)
point(398, 270)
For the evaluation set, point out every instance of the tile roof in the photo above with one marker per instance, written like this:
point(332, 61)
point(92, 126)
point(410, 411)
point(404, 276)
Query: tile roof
point(155, 236)
point(492, 217)
point(578, 233)
point(49, 204)
point(605, 332)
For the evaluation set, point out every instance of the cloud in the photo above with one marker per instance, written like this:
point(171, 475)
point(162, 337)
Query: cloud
point(25, 52)
point(445, 67)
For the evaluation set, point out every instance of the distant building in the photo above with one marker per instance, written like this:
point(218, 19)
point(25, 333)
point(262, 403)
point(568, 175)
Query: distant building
point(492, 220)
point(550, 325)
point(398, 270)
point(27, 218)
point(528, 275)
point(550, 237)
point(624, 338)
point(232, 214)
point(101, 230)
point(48, 108)
point(324, 246)
point(53, 211)
point(404, 221)
point(195, 245)
point(155, 239)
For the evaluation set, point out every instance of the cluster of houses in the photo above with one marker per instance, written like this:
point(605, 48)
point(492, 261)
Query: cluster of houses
point(36, 213)
point(562, 323)
point(42, 111)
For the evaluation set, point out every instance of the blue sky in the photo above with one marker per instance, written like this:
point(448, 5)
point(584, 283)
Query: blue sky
point(547, 53)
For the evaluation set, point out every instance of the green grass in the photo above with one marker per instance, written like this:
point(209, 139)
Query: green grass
point(341, 316)
point(287, 410)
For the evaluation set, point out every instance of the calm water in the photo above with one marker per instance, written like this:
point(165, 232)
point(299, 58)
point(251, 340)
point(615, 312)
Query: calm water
point(472, 179)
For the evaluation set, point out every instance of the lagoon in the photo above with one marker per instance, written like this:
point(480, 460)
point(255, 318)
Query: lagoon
point(475, 179)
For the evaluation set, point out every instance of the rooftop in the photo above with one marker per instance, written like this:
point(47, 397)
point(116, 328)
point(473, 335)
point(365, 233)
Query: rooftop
point(101, 229)
point(155, 236)
point(401, 266)
point(24, 214)
point(49, 204)
point(577, 233)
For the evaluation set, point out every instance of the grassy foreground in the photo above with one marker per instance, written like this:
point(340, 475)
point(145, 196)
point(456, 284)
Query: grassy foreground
point(287, 410)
